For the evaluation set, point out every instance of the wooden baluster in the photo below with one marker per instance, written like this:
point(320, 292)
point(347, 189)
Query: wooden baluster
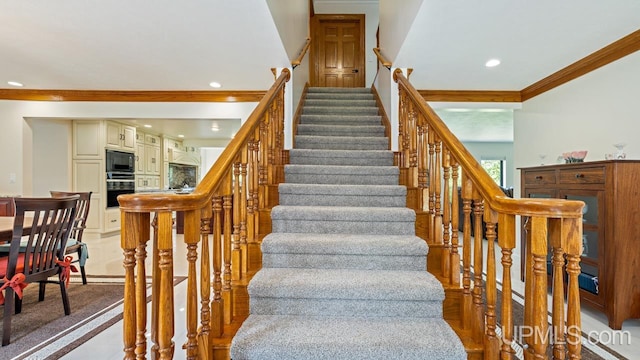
point(465, 312)
point(155, 290)
point(413, 146)
point(402, 145)
point(256, 193)
point(236, 271)
point(263, 162)
point(251, 232)
point(423, 176)
point(478, 306)
point(539, 323)
point(166, 308)
point(191, 238)
point(507, 241)
point(129, 239)
point(572, 235)
point(217, 305)
point(432, 187)
point(529, 301)
point(455, 223)
point(243, 214)
point(205, 284)
point(491, 342)
point(557, 288)
point(226, 252)
point(143, 229)
point(437, 196)
point(446, 216)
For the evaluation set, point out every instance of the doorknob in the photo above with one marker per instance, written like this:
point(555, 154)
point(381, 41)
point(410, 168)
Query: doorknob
point(354, 70)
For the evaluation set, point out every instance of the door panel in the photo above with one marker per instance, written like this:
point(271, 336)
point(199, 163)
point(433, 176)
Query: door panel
point(338, 52)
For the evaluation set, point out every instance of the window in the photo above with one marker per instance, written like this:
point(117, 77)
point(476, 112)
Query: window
point(495, 168)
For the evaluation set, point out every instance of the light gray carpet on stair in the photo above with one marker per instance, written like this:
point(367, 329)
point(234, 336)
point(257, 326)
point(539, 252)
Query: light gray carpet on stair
point(343, 275)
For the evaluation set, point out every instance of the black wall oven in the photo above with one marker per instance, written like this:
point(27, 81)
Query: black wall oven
point(121, 178)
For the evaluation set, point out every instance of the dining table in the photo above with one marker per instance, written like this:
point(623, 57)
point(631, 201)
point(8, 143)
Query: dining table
point(6, 227)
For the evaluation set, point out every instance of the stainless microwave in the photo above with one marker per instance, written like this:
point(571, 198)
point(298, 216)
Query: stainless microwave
point(120, 161)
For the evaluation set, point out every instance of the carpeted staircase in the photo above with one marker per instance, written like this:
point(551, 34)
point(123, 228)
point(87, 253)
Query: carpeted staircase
point(343, 275)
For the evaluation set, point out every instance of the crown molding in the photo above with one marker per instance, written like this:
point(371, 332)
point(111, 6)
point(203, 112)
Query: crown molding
point(608, 54)
point(132, 96)
point(470, 95)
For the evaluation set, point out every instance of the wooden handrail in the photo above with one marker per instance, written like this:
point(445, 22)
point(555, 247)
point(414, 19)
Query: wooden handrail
point(230, 202)
point(303, 52)
point(386, 63)
point(196, 200)
point(486, 185)
point(432, 161)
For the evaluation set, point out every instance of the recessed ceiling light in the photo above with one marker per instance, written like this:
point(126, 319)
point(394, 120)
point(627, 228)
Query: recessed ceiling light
point(214, 84)
point(15, 83)
point(492, 63)
point(180, 136)
point(147, 125)
point(215, 129)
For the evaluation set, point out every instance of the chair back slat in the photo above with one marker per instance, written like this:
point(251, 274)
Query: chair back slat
point(51, 225)
point(82, 212)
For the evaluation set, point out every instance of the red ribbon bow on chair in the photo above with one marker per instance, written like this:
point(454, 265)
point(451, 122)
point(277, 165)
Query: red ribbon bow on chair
point(16, 283)
point(66, 269)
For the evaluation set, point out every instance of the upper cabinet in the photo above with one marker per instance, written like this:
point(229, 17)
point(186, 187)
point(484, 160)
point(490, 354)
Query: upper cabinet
point(87, 139)
point(120, 136)
point(176, 152)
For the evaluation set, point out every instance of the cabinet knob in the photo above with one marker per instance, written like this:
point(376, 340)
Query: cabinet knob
point(539, 177)
point(114, 220)
point(579, 176)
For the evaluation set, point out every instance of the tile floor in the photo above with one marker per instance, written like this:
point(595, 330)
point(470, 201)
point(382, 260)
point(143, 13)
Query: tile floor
point(106, 259)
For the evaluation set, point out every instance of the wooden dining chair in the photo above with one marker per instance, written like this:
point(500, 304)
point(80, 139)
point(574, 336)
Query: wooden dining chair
point(75, 245)
point(44, 236)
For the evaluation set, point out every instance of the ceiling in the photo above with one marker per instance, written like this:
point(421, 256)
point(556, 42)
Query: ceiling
point(181, 45)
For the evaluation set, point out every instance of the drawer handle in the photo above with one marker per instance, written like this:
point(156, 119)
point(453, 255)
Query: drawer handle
point(579, 176)
point(539, 177)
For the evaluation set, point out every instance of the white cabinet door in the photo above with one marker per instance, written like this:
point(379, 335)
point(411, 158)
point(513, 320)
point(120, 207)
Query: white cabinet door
point(128, 138)
point(152, 160)
point(140, 159)
point(113, 136)
point(87, 140)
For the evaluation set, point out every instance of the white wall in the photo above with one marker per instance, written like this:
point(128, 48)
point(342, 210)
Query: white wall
point(17, 136)
point(494, 150)
point(292, 20)
point(396, 19)
point(590, 113)
point(51, 156)
point(208, 157)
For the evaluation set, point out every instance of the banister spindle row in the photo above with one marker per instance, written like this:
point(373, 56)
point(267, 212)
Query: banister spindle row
point(221, 226)
point(431, 158)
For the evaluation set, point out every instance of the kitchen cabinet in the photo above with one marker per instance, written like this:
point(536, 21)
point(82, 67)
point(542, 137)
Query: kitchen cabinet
point(610, 276)
point(112, 219)
point(148, 162)
point(120, 136)
point(147, 182)
point(88, 140)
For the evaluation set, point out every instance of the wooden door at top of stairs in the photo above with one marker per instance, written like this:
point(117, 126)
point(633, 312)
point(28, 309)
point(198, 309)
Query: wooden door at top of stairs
point(338, 56)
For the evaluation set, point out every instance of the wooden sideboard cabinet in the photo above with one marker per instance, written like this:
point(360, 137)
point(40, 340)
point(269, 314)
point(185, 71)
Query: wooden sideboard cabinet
point(610, 263)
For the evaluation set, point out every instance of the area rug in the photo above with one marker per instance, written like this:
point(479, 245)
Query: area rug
point(94, 307)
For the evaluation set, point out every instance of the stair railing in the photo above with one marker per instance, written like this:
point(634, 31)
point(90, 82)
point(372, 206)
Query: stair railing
point(432, 161)
point(237, 188)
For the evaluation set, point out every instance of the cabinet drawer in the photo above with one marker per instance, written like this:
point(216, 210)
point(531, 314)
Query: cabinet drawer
point(540, 177)
point(593, 175)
